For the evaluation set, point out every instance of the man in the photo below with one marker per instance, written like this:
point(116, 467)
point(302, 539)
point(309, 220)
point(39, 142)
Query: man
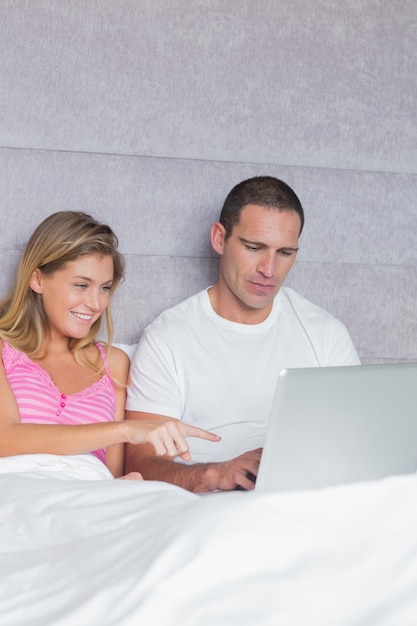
point(214, 359)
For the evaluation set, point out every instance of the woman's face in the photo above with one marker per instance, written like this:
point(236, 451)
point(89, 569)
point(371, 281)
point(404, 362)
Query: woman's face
point(76, 295)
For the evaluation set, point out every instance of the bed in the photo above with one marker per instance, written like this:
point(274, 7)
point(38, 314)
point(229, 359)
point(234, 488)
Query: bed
point(78, 547)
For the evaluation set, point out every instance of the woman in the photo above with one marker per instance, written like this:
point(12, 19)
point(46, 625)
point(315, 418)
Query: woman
point(61, 391)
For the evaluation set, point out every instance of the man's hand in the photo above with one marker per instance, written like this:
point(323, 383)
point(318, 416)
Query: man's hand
point(228, 475)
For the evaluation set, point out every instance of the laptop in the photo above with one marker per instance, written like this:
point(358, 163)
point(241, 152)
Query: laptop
point(336, 425)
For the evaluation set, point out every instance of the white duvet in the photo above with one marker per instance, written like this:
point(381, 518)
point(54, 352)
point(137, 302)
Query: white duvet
point(79, 548)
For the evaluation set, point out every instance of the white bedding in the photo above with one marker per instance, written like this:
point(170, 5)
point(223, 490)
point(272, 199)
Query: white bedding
point(79, 548)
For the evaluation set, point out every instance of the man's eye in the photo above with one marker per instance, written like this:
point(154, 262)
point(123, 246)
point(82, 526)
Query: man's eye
point(253, 248)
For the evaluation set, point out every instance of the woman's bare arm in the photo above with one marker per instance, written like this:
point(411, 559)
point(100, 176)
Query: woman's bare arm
point(166, 436)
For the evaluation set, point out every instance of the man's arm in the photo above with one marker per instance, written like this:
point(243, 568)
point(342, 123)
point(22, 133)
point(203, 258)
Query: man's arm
point(200, 477)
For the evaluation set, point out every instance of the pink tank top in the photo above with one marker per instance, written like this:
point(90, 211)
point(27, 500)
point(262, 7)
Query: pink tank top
point(41, 402)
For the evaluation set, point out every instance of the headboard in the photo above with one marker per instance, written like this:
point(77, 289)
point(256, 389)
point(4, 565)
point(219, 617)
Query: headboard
point(145, 114)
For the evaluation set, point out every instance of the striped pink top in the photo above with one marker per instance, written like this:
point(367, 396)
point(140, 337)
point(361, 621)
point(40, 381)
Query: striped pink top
point(41, 402)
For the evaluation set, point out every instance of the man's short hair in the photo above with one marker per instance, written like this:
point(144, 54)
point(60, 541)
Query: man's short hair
point(265, 191)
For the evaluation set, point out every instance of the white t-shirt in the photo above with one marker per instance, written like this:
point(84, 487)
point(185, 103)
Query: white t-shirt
point(198, 367)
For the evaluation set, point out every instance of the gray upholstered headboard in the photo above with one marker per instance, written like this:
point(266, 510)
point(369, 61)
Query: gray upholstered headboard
point(146, 113)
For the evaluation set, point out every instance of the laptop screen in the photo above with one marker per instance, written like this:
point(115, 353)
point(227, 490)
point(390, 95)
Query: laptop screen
point(334, 425)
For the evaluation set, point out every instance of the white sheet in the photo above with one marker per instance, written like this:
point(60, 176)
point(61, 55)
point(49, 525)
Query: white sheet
point(100, 551)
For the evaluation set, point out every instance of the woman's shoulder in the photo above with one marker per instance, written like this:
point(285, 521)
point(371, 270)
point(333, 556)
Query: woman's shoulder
point(117, 360)
point(116, 355)
point(10, 356)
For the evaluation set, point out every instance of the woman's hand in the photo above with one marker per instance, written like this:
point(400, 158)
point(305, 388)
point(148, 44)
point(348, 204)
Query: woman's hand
point(167, 435)
point(131, 476)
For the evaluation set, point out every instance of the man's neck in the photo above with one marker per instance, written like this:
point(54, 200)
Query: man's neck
point(232, 309)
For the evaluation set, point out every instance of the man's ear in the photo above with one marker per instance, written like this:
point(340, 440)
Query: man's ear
point(218, 237)
point(36, 281)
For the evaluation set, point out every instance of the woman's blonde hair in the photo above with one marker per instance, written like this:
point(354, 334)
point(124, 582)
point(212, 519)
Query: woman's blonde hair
point(60, 238)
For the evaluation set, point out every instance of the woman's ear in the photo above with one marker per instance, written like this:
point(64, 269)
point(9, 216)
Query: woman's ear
point(218, 237)
point(36, 281)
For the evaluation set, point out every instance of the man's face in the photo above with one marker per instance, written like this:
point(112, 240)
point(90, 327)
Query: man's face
point(255, 261)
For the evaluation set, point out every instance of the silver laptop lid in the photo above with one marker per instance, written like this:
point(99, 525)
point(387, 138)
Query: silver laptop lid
point(334, 425)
